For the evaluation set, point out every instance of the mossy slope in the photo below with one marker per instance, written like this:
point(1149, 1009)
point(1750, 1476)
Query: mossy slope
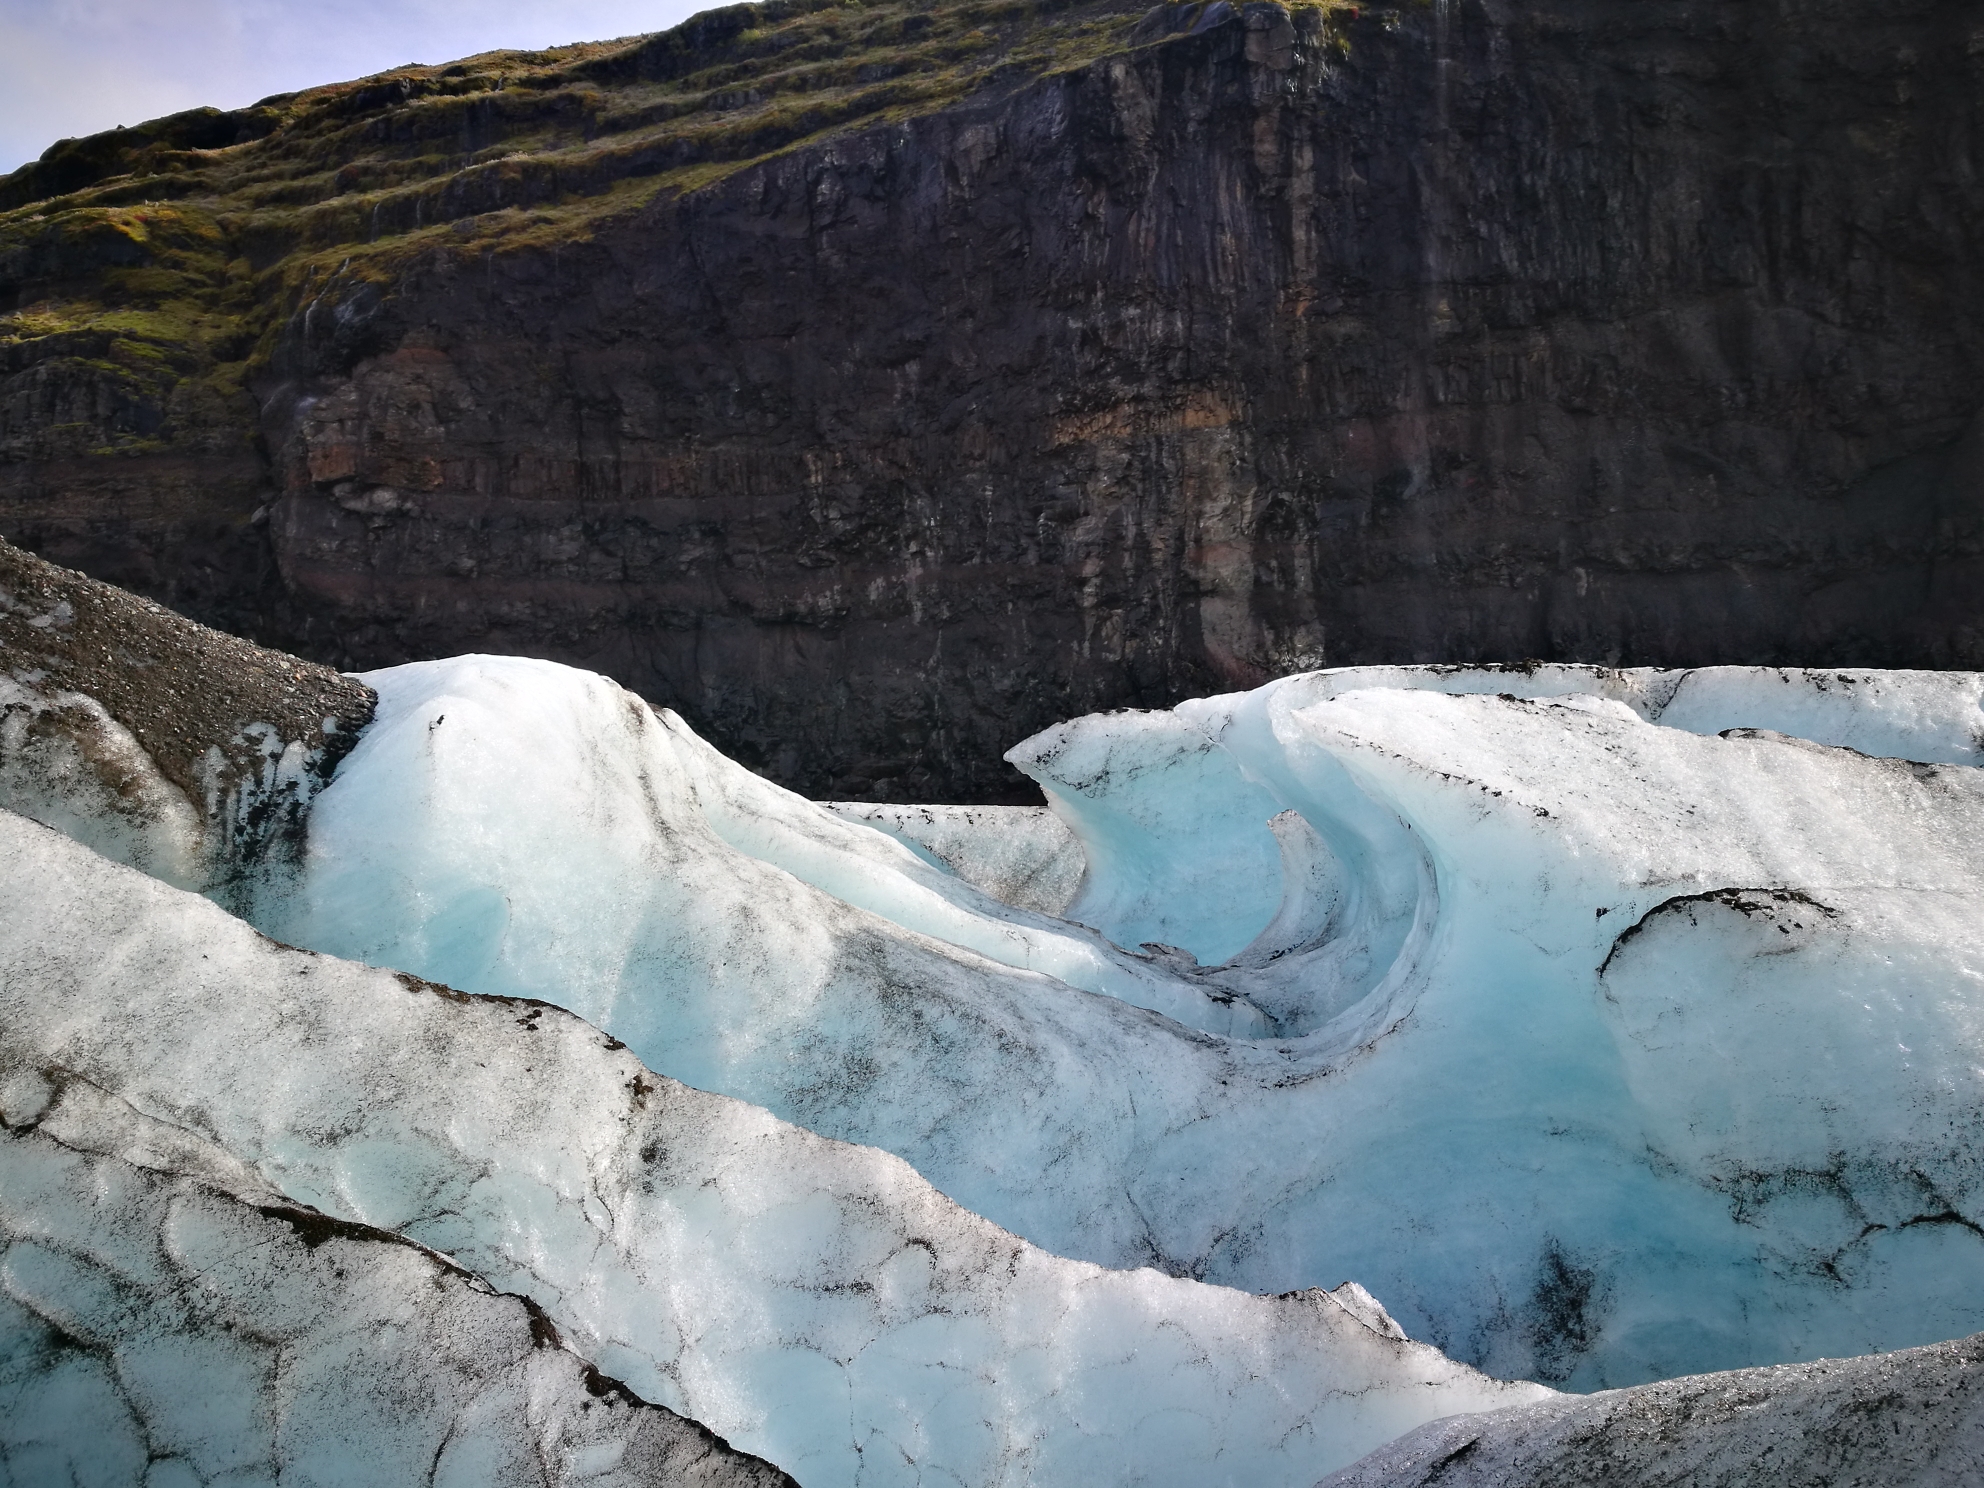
point(140, 270)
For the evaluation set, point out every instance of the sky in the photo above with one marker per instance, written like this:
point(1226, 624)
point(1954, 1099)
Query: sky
point(76, 67)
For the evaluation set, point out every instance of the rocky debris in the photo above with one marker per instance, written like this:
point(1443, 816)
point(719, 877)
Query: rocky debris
point(196, 750)
point(179, 687)
point(1911, 1419)
point(159, 1329)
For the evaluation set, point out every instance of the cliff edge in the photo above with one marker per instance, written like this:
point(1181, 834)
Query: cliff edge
point(876, 384)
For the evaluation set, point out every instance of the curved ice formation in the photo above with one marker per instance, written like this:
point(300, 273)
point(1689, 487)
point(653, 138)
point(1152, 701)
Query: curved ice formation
point(816, 1303)
point(625, 851)
point(1489, 1103)
point(156, 1329)
point(1127, 782)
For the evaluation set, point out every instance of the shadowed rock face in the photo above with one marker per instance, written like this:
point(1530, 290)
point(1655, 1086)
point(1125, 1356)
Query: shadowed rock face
point(1911, 1419)
point(1630, 332)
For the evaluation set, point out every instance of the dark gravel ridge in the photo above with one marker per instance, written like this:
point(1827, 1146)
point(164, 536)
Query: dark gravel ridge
point(1909, 1419)
point(179, 687)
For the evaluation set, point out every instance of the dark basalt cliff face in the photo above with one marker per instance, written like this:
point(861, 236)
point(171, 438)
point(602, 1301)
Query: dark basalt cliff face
point(1636, 331)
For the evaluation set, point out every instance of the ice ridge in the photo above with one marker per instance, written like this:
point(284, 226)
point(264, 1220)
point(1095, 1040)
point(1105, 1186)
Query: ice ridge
point(155, 1329)
point(1723, 1141)
point(815, 1303)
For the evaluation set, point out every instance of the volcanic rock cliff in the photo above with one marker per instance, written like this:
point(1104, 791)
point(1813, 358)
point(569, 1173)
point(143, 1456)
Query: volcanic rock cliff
point(875, 384)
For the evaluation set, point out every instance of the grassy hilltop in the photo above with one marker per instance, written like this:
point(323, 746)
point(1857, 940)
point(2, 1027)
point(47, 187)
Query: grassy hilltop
point(154, 262)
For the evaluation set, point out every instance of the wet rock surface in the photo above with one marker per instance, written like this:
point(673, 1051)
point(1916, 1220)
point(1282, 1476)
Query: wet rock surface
point(1610, 331)
point(1912, 1419)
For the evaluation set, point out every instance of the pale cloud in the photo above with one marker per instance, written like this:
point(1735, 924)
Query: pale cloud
point(74, 67)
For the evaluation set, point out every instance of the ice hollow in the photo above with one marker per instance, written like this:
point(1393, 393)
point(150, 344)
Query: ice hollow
point(1601, 1049)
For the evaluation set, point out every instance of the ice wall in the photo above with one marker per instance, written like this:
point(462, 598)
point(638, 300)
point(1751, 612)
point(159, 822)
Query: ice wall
point(1142, 778)
point(1608, 1049)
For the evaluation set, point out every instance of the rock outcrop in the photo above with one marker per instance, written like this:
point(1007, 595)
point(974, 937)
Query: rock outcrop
point(1194, 348)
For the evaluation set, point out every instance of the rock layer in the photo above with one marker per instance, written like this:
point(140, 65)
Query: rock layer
point(1588, 329)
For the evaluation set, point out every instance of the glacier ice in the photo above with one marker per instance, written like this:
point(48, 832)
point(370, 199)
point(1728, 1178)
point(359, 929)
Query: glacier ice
point(1601, 1047)
point(157, 1329)
point(1022, 855)
point(1604, 1024)
point(816, 1303)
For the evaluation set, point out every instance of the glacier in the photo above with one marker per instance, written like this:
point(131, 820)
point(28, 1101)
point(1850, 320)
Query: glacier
point(583, 1095)
point(1600, 1026)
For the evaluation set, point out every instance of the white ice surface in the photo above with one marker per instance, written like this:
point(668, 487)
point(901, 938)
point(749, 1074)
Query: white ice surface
point(1022, 855)
point(68, 764)
point(814, 1302)
point(156, 1330)
point(1751, 1138)
point(1934, 717)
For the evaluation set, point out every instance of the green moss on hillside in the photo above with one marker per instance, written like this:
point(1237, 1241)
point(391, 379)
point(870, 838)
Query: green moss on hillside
point(169, 254)
point(134, 321)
